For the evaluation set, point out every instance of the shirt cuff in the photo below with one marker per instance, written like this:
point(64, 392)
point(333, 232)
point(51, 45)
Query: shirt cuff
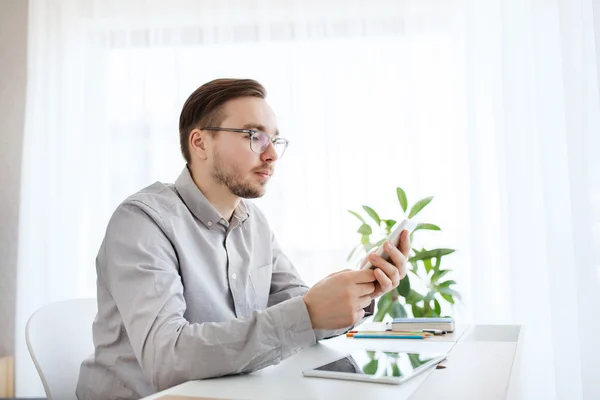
point(293, 326)
point(370, 309)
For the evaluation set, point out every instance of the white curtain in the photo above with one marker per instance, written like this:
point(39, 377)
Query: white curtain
point(491, 106)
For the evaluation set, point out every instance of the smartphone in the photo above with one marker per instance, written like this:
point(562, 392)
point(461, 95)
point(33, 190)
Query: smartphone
point(393, 238)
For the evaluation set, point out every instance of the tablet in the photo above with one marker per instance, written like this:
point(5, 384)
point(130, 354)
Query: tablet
point(393, 367)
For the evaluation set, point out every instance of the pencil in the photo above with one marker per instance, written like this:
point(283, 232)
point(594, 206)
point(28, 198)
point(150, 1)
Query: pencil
point(372, 336)
point(401, 333)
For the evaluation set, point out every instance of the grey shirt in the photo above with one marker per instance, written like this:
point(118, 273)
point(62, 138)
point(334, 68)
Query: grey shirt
point(184, 294)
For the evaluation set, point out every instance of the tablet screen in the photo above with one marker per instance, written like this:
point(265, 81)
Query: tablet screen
point(380, 363)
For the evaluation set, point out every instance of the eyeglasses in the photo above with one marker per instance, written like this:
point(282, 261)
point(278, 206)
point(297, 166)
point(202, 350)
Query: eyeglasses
point(259, 141)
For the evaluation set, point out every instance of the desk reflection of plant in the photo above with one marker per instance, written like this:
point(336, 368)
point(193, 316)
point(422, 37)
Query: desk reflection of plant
point(388, 362)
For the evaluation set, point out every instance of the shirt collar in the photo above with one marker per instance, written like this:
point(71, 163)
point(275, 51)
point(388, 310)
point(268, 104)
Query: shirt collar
point(199, 205)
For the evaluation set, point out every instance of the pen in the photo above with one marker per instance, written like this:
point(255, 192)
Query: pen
point(434, 331)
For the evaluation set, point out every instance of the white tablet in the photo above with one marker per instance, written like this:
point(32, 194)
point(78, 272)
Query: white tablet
point(393, 367)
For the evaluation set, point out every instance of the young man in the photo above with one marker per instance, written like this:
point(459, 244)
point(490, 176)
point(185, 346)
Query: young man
point(191, 281)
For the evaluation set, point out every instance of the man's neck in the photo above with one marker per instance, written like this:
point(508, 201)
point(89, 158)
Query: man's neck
point(218, 195)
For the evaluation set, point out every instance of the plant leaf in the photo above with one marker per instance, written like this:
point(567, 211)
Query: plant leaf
point(437, 307)
point(415, 360)
point(415, 268)
point(449, 292)
point(430, 227)
point(414, 297)
point(447, 297)
point(383, 306)
point(371, 367)
point(428, 265)
point(357, 215)
point(436, 253)
point(431, 313)
point(352, 253)
point(398, 311)
point(428, 297)
point(447, 283)
point(372, 214)
point(389, 223)
point(437, 275)
point(365, 229)
point(445, 290)
point(395, 370)
point(402, 198)
point(404, 287)
point(417, 311)
point(419, 205)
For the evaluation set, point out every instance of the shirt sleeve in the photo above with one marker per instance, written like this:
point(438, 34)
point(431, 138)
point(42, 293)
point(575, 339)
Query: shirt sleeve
point(138, 264)
point(286, 284)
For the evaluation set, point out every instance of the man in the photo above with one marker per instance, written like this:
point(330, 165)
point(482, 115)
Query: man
point(191, 281)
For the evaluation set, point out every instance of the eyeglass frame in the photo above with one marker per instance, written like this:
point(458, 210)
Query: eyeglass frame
point(252, 133)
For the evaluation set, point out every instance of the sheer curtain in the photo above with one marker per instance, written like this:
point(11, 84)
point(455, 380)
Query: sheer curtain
point(490, 106)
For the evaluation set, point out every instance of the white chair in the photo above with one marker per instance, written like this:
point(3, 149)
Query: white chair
point(59, 338)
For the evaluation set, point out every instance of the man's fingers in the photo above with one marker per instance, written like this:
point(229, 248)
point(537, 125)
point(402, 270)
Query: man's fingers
point(393, 271)
point(366, 259)
point(358, 315)
point(364, 301)
point(362, 275)
point(404, 245)
point(397, 258)
point(365, 288)
point(385, 283)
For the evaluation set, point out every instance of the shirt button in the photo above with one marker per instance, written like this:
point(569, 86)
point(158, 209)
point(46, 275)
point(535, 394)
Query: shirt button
point(233, 276)
point(209, 223)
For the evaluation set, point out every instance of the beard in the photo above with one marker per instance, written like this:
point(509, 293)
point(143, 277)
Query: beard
point(230, 176)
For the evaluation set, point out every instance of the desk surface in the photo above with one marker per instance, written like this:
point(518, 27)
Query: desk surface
point(478, 366)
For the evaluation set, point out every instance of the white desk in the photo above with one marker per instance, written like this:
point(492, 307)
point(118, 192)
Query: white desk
point(478, 366)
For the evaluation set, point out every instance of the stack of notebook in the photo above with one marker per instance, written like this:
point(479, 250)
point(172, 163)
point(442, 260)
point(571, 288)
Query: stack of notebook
point(418, 324)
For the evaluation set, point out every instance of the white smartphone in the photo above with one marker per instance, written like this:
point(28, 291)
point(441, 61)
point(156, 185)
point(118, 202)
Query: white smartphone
point(393, 238)
point(376, 366)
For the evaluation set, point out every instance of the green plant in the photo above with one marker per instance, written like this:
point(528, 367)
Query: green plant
point(425, 266)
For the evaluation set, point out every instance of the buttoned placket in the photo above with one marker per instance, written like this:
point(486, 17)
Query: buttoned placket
point(236, 281)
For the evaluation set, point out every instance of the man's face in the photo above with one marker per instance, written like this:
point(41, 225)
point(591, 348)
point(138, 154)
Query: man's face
point(234, 164)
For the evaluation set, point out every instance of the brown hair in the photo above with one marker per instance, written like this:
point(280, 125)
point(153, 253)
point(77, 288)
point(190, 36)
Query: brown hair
point(204, 106)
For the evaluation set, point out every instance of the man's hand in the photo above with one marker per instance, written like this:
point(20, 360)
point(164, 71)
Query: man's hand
point(338, 301)
point(389, 274)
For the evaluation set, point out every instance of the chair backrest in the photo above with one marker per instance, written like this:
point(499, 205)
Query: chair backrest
point(59, 338)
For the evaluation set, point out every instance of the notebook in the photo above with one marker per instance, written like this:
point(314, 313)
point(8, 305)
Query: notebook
point(417, 324)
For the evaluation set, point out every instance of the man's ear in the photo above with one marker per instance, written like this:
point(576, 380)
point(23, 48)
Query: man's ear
point(197, 143)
